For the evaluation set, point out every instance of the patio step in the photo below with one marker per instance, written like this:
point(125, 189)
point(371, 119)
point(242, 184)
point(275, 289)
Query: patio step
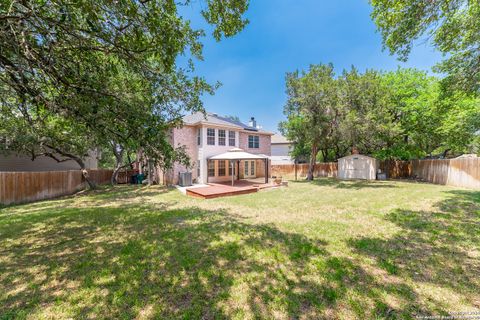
point(216, 191)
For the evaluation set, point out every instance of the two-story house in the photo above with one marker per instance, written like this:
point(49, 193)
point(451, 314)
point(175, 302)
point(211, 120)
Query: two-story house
point(208, 136)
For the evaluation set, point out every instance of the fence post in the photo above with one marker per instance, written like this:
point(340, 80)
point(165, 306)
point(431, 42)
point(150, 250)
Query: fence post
point(295, 169)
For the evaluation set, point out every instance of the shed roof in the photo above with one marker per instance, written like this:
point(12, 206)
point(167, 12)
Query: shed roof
point(357, 155)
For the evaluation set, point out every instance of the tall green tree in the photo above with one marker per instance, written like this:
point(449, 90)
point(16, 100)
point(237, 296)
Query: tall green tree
point(459, 128)
point(452, 26)
point(366, 123)
point(107, 67)
point(413, 104)
point(403, 114)
point(311, 109)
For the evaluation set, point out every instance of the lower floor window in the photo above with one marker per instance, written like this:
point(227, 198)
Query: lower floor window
point(221, 168)
point(211, 169)
point(198, 168)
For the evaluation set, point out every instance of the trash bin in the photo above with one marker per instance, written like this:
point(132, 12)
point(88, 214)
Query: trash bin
point(381, 176)
point(140, 178)
point(133, 179)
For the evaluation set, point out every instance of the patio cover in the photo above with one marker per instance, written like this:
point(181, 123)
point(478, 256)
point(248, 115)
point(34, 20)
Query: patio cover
point(238, 154)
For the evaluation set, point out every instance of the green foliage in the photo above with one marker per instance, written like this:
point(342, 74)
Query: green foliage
point(453, 27)
point(108, 68)
point(460, 126)
point(293, 129)
point(403, 114)
point(310, 110)
point(366, 117)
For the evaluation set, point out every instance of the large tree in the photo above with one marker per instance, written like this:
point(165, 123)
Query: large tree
point(413, 102)
point(108, 67)
point(311, 109)
point(452, 26)
point(403, 114)
point(366, 123)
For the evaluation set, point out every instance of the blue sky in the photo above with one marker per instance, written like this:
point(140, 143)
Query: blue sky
point(285, 35)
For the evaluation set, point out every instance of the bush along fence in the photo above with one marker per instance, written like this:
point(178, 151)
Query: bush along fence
point(21, 187)
point(460, 172)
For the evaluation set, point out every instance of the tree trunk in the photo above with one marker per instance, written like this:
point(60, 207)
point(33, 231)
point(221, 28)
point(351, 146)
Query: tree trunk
point(130, 161)
point(444, 154)
point(324, 155)
point(118, 152)
point(313, 161)
point(78, 160)
point(150, 172)
point(116, 171)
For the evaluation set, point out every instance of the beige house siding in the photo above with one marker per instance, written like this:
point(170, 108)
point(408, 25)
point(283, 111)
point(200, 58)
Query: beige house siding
point(22, 163)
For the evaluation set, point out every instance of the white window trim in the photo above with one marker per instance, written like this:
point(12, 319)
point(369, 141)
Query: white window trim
point(253, 142)
point(234, 138)
point(214, 136)
point(224, 137)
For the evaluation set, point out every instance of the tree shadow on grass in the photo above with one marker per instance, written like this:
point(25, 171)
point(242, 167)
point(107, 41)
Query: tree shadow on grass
point(349, 184)
point(141, 260)
point(440, 247)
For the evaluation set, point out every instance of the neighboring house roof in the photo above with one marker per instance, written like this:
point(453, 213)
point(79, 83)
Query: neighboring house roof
point(213, 118)
point(282, 160)
point(279, 139)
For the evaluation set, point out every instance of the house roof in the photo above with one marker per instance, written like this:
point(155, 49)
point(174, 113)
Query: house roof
point(279, 139)
point(238, 154)
point(215, 119)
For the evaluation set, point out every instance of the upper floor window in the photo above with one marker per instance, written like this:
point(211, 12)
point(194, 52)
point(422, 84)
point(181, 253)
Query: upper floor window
point(231, 138)
point(221, 138)
point(210, 136)
point(253, 142)
point(221, 168)
point(199, 136)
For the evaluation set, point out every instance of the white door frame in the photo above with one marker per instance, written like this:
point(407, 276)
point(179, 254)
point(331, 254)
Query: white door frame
point(247, 169)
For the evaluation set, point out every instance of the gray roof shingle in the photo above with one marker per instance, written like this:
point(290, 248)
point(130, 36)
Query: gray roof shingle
point(215, 119)
point(278, 138)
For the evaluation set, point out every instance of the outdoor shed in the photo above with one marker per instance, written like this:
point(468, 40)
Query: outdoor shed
point(357, 166)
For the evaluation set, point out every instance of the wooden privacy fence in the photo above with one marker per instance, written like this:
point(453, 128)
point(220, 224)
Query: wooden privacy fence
point(327, 169)
point(460, 172)
point(21, 187)
point(396, 169)
point(100, 176)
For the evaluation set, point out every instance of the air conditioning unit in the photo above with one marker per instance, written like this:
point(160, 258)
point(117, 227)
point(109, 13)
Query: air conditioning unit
point(184, 179)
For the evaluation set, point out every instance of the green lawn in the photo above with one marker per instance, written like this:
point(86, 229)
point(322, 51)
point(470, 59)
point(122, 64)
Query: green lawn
point(327, 249)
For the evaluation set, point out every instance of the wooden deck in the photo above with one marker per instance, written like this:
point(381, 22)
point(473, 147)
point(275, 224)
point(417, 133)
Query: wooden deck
point(225, 189)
